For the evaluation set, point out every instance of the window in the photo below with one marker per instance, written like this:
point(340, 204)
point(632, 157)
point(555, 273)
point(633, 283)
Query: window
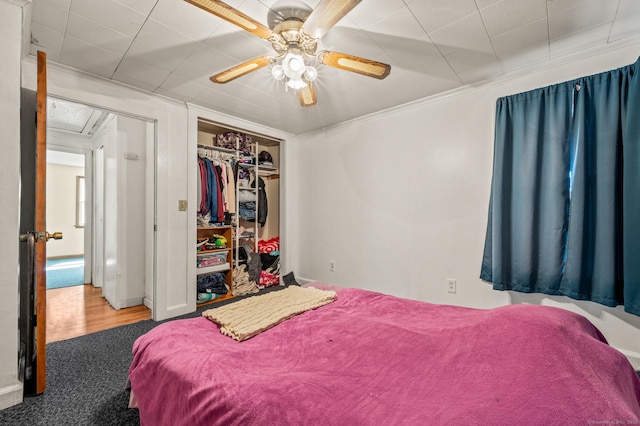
point(563, 215)
point(80, 202)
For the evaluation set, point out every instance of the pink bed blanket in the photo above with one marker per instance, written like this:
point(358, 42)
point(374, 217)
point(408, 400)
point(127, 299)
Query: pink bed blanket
point(373, 359)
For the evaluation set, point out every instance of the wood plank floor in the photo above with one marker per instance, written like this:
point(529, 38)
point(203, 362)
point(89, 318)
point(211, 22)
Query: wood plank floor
point(79, 310)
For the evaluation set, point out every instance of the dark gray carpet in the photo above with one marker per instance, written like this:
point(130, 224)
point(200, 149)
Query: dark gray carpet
point(86, 379)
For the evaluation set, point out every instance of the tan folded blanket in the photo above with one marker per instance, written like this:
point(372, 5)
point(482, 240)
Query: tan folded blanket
point(245, 318)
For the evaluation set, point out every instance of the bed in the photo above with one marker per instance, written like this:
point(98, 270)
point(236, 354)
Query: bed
point(367, 358)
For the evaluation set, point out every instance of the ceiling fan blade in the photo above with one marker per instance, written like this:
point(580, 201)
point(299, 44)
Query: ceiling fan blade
point(242, 69)
point(307, 95)
point(326, 15)
point(228, 13)
point(354, 64)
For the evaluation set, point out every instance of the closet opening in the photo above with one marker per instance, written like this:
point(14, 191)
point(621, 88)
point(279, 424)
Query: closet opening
point(238, 220)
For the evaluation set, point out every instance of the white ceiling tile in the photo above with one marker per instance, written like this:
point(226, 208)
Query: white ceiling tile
point(519, 41)
point(87, 57)
point(241, 46)
point(210, 60)
point(461, 35)
point(139, 74)
point(408, 53)
point(623, 28)
point(475, 56)
point(48, 40)
point(354, 42)
point(581, 18)
point(219, 100)
point(557, 6)
point(165, 58)
point(439, 77)
point(508, 15)
point(401, 23)
point(92, 33)
point(435, 14)
point(376, 10)
point(185, 18)
point(179, 88)
point(110, 14)
point(485, 3)
point(484, 73)
point(141, 6)
point(575, 43)
point(397, 89)
point(527, 58)
point(194, 72)
point(50, 15)
point(161, 46)
point(65, 4)
point(627, 23)
point(627, 8)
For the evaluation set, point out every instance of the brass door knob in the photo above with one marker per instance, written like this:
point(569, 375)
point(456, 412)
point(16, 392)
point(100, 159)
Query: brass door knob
point(45, 236)
point(55, 236)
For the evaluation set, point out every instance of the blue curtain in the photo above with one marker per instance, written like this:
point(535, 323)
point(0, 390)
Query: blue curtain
point(564, 214)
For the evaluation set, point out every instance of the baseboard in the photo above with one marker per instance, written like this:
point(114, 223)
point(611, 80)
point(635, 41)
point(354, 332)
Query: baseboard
point(303, 281)
point(148, 303)
point(136, 301)
point(11, 395)
point(633, 357)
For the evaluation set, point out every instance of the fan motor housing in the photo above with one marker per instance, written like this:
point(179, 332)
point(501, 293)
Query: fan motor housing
point(290, 32)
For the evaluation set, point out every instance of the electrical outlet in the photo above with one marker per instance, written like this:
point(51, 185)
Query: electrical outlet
point(451, 285)
point(332, 265)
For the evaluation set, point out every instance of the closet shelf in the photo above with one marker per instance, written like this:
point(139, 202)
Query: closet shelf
point(216, 268)
point(217, 148)
point(267, 171)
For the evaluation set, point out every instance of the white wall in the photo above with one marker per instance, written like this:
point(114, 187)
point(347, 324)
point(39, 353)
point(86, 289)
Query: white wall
point(61, 210)
point(10, 46)
point(399, 200)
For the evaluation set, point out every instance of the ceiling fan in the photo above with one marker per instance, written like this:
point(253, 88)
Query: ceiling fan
point(294, 35)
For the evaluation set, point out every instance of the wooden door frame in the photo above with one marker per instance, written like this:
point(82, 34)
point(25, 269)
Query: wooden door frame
point(40, 225)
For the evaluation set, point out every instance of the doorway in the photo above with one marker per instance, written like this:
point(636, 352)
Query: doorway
point(113, 212)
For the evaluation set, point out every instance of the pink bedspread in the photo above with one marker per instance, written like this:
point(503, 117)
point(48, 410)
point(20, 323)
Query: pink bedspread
point(372, 359)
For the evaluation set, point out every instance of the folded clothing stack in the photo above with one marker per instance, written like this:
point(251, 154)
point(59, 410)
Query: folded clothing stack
point(212, 283)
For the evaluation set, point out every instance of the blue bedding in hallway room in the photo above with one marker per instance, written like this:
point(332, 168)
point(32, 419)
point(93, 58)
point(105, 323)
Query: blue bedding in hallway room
point(65, 272)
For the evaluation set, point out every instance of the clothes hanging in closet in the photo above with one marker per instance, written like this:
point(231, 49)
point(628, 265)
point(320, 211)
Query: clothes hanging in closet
point(216, 190)
point(247, 203)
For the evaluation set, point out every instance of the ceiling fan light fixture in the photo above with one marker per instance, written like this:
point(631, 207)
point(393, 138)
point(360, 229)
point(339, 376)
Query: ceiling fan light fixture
point(294, 32)
point(310, 73)
point(296, 84)
point(277, 72)
point(293, 66)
